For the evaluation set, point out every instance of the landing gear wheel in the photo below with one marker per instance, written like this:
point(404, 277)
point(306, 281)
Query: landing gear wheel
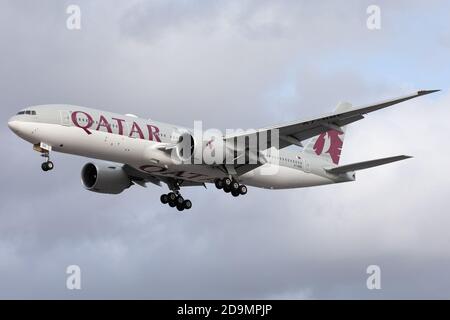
point(164, 199)
point(219, 184)
point(47, 166)
point(227, 183)
point(227, 189)
point(179, 201)
point(235, 193)
point(50, 165)
point(187, 204)
point(172, 197)
point(175, 200)
point(243, 190)
point(234, 186)
point(172, 204)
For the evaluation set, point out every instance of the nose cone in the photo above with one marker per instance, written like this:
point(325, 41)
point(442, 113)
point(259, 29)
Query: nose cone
point(14, 125)
point(22, 129)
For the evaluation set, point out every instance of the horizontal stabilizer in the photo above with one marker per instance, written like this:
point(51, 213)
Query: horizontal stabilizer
point(365, 165)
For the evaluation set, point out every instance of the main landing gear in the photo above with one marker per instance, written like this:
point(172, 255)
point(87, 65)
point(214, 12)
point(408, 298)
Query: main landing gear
point(231, 186)
point(174, 199)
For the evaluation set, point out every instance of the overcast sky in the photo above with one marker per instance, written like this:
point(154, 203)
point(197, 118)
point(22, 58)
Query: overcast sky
point(232, 64)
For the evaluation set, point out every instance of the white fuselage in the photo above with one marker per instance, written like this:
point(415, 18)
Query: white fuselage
point(133, 141)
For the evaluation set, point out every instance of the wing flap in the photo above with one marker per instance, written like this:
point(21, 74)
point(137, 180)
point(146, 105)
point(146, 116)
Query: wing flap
point(365, 164)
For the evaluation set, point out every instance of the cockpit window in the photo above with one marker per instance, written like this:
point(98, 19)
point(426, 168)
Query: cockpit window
point(27, 112)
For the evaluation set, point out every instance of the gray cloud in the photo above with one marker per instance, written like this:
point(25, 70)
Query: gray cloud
point(231, 64)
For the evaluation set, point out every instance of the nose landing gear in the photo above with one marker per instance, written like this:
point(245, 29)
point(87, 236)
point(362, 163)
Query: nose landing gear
point(45, 149)
point(47, 166)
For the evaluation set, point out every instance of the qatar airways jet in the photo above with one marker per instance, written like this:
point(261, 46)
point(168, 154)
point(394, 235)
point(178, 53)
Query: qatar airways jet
point(140, 151)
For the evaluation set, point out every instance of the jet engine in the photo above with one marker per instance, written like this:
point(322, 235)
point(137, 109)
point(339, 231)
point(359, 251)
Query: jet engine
point(105, 178)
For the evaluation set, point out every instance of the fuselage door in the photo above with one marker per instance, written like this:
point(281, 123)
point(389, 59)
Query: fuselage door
point(307, 167)
point(65, 117)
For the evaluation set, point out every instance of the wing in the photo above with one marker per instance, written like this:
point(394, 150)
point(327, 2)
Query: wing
point(295, 132)
point(141, 178)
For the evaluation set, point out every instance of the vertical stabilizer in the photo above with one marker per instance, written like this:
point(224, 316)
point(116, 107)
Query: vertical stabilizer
point(328, 145)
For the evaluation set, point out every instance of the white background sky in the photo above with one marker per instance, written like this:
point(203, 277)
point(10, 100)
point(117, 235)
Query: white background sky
point(232, 64)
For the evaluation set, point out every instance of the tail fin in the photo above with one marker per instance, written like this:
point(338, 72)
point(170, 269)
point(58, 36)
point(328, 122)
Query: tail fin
point(328, 145)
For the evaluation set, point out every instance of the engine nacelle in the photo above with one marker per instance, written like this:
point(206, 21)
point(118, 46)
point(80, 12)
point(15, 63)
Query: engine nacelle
point(105, 178)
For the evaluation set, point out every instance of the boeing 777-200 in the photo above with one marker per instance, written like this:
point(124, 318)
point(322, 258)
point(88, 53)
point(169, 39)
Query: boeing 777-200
point(139, 151)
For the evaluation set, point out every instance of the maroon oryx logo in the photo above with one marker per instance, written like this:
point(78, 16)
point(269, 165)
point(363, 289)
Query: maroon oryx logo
point(335, 143)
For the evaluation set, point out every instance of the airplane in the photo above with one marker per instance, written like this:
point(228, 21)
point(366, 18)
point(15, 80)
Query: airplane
point(136, 151)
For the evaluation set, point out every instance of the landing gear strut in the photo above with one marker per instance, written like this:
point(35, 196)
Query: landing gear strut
point(229, 185)
point(174, 199)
